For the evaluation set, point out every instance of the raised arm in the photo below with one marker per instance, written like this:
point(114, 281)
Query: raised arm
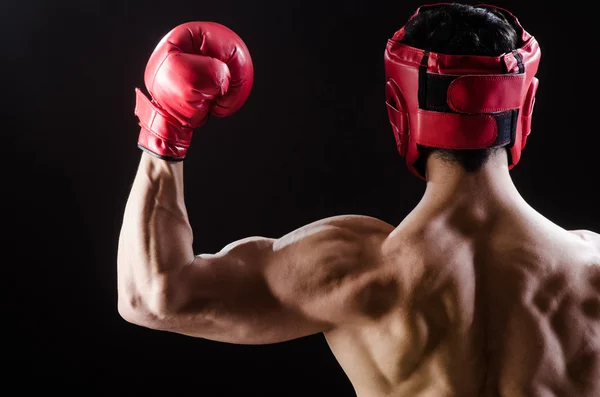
point(257, 290)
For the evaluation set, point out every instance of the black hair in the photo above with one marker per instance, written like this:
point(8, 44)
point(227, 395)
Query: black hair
point(460, 29)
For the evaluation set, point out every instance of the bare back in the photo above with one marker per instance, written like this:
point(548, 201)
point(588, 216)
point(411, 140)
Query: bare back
point(474, 294)
point(509, 308)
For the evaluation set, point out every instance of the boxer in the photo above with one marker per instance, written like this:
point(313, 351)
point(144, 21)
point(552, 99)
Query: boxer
point(474, 293)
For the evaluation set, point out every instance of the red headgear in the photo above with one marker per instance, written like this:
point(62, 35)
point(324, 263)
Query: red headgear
point(460, 101)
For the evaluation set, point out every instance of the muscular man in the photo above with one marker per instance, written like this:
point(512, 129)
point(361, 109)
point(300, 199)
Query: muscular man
point(474, 293)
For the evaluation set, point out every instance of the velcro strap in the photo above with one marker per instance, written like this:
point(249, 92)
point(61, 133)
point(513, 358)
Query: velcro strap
point(159, 123)
point(455, 131)
point(486, 93)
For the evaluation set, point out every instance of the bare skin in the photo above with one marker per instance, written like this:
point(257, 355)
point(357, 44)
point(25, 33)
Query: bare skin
point(473, 294)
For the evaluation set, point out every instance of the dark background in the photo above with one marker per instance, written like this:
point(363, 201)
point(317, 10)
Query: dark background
point(312, 141)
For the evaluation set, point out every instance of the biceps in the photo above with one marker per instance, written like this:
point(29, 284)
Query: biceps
point(220, 286)
point(228, 299)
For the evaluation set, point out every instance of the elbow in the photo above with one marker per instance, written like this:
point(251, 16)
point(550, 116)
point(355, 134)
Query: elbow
point(151, 309)
point(132, 309)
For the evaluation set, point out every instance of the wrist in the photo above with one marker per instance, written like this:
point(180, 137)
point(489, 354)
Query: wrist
point(157, 169)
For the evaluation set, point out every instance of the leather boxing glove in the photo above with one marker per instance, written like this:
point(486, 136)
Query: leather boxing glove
point(197, 69)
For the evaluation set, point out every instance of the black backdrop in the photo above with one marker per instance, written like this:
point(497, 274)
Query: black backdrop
point(312, 141)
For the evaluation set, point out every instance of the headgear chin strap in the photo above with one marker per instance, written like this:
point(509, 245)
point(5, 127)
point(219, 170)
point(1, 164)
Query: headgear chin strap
point(460, 101)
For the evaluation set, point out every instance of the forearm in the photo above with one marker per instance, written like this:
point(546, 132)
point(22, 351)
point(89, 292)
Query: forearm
point(156, 237)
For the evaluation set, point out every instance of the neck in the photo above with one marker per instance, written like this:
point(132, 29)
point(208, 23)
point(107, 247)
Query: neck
point(470, 198)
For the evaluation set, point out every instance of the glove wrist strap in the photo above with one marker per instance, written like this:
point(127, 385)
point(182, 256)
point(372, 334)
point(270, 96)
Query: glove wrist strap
point(161, 135)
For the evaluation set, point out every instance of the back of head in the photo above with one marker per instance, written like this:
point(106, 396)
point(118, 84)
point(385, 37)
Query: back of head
point(459, 29)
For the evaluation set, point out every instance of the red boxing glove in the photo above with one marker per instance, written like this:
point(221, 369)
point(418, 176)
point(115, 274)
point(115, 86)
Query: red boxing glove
point(197, 69)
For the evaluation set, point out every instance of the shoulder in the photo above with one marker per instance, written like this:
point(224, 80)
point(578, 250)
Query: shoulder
point(358, 223)
point(589, 237)
point(339, 228)
point(586, 235)
point(327, 266)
